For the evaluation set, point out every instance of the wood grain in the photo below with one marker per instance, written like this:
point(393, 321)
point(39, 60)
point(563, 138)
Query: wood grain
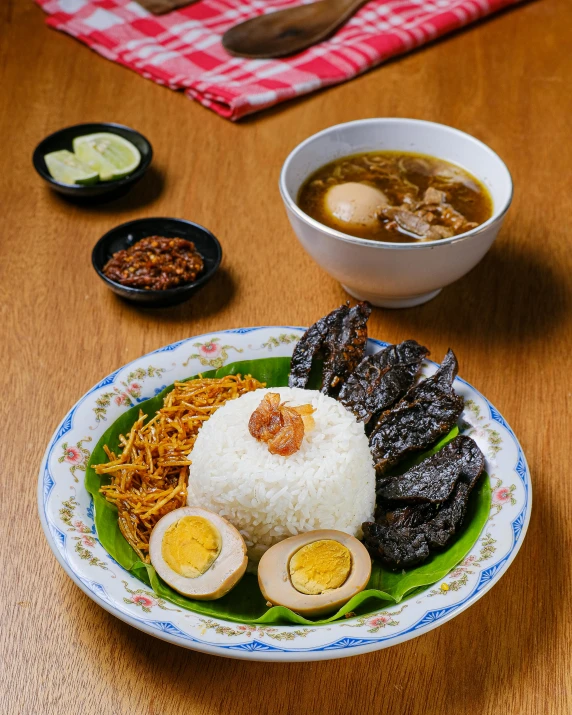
point(507, 81)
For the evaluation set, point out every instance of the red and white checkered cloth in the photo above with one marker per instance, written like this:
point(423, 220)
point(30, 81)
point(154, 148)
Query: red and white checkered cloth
point(183, 49)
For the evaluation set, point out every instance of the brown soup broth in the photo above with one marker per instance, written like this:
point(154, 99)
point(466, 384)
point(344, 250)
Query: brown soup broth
point(403, 177)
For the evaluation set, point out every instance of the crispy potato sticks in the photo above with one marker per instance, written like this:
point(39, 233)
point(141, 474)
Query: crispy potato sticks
point(150, 476)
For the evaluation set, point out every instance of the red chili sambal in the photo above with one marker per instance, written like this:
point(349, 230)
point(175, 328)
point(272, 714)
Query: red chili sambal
point(155, 263)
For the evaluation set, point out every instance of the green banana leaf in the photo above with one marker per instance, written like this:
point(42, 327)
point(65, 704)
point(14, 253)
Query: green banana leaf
point(245, 603)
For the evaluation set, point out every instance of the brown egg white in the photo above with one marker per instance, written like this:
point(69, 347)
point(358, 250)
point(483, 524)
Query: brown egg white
point(198, 553)
point(354, 204)
point(314, 573)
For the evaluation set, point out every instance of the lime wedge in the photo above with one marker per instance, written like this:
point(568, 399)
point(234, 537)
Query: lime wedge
point(112, 156)
point(66, 168)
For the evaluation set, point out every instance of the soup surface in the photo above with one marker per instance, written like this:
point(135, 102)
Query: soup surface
point(395, 196)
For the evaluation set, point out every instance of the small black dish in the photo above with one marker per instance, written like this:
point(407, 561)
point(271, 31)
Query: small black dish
point(127, 234)
point(63, 139)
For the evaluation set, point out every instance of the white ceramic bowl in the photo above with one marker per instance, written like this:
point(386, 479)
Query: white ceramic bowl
point(395, 275)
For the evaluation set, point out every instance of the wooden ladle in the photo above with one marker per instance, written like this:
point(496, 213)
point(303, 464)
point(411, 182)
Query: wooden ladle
point(289, 31)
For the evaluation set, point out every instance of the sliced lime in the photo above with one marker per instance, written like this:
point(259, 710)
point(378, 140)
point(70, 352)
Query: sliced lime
point(66, 168)
point(112, 156)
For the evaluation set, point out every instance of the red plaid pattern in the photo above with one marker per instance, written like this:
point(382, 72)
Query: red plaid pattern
point(183, 49)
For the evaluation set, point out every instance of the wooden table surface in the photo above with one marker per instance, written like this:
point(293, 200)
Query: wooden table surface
point(507, 81)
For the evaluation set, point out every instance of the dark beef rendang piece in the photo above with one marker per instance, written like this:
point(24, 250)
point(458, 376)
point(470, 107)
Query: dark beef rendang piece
point(395, 548)
point(309, 346)
point(434, 479)
point(381, 379)
point(411, 427)
point(341, 337)
point(442, 379)
point(402, 546)
point(428, 411)
point(344, 346)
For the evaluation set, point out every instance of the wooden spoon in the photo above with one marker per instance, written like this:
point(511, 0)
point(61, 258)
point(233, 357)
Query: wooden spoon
point(161, 7)
point(289, 31)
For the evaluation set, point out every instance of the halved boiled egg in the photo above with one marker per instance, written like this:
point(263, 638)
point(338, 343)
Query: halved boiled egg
point(315, 572)
point(198, 553)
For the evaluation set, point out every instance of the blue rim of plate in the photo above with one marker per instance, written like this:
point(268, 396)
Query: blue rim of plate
point(256, 649)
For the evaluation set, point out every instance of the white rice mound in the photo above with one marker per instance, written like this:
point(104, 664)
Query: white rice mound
point(328, 484)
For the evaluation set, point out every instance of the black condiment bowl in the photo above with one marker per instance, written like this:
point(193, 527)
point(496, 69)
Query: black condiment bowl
point(63, 139)
point(127, 234)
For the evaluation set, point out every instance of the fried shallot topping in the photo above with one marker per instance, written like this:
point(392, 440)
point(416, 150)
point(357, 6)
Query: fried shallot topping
point(281, 427)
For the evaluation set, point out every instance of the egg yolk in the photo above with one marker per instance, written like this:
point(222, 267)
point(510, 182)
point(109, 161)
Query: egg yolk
point(320, 566)
point(191, 545)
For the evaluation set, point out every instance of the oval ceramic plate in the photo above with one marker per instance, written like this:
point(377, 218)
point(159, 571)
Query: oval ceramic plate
point(66, 513)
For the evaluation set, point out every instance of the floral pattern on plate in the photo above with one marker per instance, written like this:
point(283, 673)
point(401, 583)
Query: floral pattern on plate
point(127, 392)
point(211, 353)
point(250, 630)
point(377, 622)
point(77, 456)
point(146, 600)
point(282, 339)
point(86, 541)
point(467, 567)
point(67, 516)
